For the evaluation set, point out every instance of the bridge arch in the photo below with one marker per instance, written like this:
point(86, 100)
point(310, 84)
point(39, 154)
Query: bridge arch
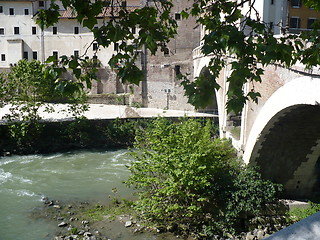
point(285, 138)
point(217, 106)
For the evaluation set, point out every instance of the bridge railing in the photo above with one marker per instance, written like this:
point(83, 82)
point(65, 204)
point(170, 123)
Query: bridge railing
point(213, 111)
point(197, 53)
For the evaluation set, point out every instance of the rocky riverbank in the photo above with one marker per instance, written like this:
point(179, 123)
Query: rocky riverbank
point(91, 221)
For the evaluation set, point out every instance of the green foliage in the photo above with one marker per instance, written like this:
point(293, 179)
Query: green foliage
point(98, 212)
point(78, 131)
point(28, 89)
point(187, 177)
point(297, 214)
point(123, 131)
point(47, 17)
point(136, 104)
point(73, 231)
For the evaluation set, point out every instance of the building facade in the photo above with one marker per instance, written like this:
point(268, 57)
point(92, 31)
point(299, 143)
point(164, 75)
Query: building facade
point(300, 17)
point(22, 38)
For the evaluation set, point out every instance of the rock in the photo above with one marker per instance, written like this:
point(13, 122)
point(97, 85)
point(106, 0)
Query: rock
point(57, 206)
point(62, 224)
point(250, 236)
point(90, 238)
point(68, 238)
point(139, 229)
point(128, 224)
point(260, 234)
point(85, 222)
point(87, 234)
point(81, 232)
point(161, 229)
point(58, 238)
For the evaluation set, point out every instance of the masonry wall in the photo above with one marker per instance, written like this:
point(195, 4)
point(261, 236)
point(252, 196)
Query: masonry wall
point(274, 77)
point(161, 89)
point(163, 86)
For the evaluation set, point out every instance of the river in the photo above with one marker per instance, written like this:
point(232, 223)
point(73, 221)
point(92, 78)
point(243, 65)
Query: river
point(74, 176)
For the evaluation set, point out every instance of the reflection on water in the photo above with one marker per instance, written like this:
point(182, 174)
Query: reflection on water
point(75, 176)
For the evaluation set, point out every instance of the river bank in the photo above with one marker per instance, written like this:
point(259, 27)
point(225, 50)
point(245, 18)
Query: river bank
point(94, 221)
point(116, 221)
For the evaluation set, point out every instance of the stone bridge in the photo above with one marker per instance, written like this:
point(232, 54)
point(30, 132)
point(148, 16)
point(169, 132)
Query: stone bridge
point(280, 134)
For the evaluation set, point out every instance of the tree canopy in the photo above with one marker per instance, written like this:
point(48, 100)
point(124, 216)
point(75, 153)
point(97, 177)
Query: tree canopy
point(230, 32)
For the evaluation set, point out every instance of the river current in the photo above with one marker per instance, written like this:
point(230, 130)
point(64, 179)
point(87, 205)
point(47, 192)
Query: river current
point(73, 176)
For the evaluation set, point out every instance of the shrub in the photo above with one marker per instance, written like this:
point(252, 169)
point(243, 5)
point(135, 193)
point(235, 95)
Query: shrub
point(186, 177)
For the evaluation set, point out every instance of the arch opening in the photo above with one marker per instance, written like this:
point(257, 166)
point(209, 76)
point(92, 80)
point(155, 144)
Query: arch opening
point(213, 106)
point(288, 150)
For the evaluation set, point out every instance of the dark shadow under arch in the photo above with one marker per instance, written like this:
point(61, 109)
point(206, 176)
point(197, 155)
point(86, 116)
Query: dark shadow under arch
point(285, 144)
point(213, 106)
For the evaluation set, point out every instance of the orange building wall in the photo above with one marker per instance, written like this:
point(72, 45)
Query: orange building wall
point(304, 13)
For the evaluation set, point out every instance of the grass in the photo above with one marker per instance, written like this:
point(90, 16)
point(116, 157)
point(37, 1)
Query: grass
point(297, 214)
point(98, 212)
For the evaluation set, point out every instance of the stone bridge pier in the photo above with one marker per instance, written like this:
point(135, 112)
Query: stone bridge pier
point(281, 134)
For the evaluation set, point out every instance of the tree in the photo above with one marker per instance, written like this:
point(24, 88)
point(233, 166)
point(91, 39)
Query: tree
point(186, 177)
point(230, 32)
point(31, 86)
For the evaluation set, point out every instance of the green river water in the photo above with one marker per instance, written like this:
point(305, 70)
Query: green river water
point(74, 176)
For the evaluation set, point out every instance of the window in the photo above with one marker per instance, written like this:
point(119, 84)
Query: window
point(271, 26)
point(272, 2)
point(296, 3)
point(116, 46)
point(1, 31)
point(133, 30)
point(26, 11)
point(76, 53)
point(55, 54)
point(41, 3)
point(11, 11)
point(1, 9)
point(95, 46)
point(177, 70)
point(76, 30)
point(294, 22)
point(3, 57)
point(34, 30)
point(123, 3)
point(177, 16)
point(35, 55)
point(310, 22)
point(25, 55)
point(166, 52)
point(16, 30)
point(54, 30)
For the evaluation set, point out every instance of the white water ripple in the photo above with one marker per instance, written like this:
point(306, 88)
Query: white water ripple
point(7, 176)
point(4, 176)
point(6, 162)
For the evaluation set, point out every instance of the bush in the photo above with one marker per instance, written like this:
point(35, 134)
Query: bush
point(187, 178)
